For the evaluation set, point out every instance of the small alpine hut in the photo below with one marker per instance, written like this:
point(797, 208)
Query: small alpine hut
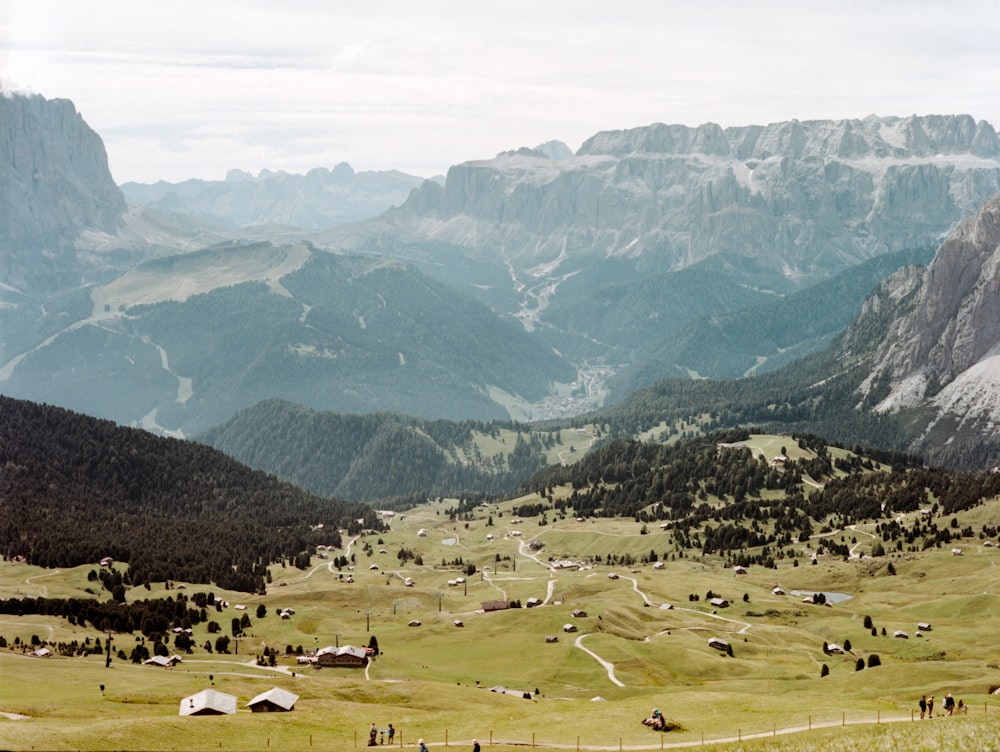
point(208, 702)
point(275, 700)
point(347, 656)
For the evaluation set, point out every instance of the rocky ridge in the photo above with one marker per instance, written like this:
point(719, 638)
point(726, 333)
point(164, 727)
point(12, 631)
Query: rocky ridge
point(320, 198)
point(939, 358)
point(793, 201)
point(55, 183)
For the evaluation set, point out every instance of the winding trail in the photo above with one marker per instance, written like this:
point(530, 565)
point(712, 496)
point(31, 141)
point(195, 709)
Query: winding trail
point(607, 664)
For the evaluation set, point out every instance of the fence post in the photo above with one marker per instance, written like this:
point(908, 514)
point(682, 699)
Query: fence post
point(446, 737)
point(878, 716)
point(843, 717)
point(810, 723)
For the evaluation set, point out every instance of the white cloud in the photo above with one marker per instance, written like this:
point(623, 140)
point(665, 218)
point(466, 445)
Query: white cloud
point(192, 89)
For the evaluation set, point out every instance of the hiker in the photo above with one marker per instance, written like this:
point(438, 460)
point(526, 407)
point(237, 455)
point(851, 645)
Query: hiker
point(423, 747)
point(930, 707)
point(962, 707)
point(373, 736)
point(923, 706)
point(949, 704)
point(392, 733)
point(475, 745)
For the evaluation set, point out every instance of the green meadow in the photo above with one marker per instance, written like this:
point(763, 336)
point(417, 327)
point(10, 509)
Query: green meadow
point(641, 643)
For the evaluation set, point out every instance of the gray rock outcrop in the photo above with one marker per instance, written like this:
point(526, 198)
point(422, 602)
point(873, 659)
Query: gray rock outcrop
point(796, 201)
point(55, 184)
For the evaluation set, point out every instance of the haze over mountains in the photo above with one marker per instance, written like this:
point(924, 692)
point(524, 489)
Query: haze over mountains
point(320, 198)
point(519, 286)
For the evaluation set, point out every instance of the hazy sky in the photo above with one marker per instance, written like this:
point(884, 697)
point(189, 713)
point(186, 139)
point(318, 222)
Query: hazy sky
point(192, 88)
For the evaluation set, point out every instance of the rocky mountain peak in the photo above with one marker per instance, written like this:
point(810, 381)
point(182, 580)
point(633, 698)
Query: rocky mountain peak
point(941, 351)
point(55, 183)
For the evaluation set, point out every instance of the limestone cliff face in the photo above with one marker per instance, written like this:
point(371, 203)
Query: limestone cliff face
point(952, 322)
point(930, 341)
point(798, 200)
point(55, 184)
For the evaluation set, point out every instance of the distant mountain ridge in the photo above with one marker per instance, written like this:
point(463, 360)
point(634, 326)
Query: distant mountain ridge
point(320, 198)
point(778, 207)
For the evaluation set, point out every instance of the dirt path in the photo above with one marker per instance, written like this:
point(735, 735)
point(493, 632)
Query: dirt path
point(607, 664)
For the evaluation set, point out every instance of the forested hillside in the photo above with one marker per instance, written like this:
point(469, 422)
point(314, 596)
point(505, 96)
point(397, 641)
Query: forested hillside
point(726, 343)
point(723, 497)
point(378, 455)
point(74, 489)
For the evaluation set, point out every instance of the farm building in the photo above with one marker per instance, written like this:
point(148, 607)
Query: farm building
point(275, 700)
point(739, 570)
point(42, 652)
point(163, 661)
point(347, 656)
point(777, 590)
point(495, 605)
point(569, 627)
point(718, 643)
point(899, 633)
point(208, 702)
point(579, 613)
point(719, 602)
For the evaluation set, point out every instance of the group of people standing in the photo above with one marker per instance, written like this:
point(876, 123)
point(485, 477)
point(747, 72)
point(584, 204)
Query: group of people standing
point(950, 708)
point(373, 735)
point(390, 732)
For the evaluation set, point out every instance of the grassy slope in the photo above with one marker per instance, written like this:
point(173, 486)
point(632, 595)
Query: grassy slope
point(426, 681)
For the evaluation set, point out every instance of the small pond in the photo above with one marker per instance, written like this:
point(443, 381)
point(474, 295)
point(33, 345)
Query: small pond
point(830, 597)
point(449, 541)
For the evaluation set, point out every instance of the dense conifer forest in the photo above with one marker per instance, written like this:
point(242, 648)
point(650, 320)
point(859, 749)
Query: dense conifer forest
point(723, 498)
point(376, 455)
point(74, 489)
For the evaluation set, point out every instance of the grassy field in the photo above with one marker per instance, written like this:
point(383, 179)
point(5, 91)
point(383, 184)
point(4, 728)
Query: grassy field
point(651, 625)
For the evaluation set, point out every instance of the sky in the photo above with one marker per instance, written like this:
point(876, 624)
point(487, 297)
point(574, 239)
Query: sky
point(193, 88)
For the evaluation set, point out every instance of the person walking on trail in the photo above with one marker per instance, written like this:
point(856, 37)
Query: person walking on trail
point(930, 707)
point(923, 706)
point(423, 747)
point(475, 745)
point(392, 733)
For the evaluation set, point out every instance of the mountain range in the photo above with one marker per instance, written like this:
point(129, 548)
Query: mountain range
point(530, 285)
point(320, 198)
